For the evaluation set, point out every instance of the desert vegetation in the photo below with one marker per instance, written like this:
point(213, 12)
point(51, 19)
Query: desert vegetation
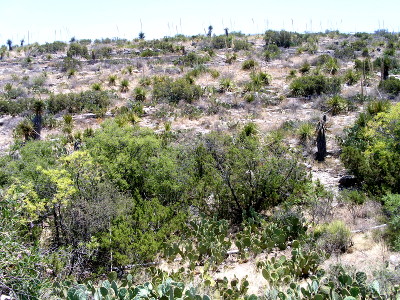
point(205, 167)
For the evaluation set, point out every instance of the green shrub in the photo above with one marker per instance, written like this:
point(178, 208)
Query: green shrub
point(392, 207)
point(249, 64)
point(192, 59)
point(315, 85)
point(175, 90)
point(333, 237)
point(281, 38)
point(69, 63)
point(76, 49)
point(370, 150)
point(239, 44)
point(148, 53)
point(271, 52)
point(89, 101)
point(102, 52)
point(52, 47)
point(222, 167)
point(221, 42)
point(390, 86)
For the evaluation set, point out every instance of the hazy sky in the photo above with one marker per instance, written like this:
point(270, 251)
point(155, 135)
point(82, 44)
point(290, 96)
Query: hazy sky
point(49, 20)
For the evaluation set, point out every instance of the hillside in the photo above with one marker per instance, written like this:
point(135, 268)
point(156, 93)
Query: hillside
point(194, 159)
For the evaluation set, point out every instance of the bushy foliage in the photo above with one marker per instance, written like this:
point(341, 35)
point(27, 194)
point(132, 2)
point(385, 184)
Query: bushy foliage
point(390, 86)
point(239, 175)
point(167, 89)
point(271, 52)
point(192, 59)
point(221, 42)
point(88, 101)
point(239, 44)
point(392, 207)
point(52, 47)
point(370, 150)
point(311, 85)
point(77, 50)
point(281, 38)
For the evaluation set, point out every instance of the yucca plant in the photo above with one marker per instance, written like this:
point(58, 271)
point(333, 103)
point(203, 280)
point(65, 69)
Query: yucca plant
point(124, 86)
point(25, 129)
point(139, 94)
point(249, 64)
point(9, 43)
point(112, 79)
point(305, 132)
point(96, 86)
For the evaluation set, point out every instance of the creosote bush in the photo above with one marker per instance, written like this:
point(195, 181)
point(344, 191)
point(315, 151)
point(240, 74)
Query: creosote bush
point(167, 89)
point(311, 85)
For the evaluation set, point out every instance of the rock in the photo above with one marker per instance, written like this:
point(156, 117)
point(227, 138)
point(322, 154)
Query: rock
point(347, 181)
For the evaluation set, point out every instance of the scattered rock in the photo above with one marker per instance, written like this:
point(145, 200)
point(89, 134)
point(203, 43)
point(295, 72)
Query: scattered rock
point(347, 181)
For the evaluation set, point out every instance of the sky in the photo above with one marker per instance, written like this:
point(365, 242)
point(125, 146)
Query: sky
point(48, 20)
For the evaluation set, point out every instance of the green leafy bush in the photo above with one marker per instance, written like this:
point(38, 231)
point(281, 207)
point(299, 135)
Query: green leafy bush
point(88, 101)
point(281, 38)
point(315, 85)
point(390, 86)
point(370, 150)
point(271, 52)
point(76, 49)
point(175, 90)
point(392, 207)
point(223, 165)
point(192, 59)
point(221, 42)
point(54, 47)
point(239, 44)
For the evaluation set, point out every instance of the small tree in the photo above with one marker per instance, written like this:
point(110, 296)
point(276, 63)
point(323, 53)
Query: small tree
point(210, 28)
point(9, 43)
point(141, 35)
point(321, 139)
point(37, 120)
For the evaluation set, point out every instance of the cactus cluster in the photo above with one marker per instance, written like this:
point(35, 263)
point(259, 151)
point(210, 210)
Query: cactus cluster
point(205, 241)
point(302, 264)
point(112, 289)
point(261, 237)
point(340, 287)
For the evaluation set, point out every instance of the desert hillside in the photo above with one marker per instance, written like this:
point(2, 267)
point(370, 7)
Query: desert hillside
point(207, 167)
